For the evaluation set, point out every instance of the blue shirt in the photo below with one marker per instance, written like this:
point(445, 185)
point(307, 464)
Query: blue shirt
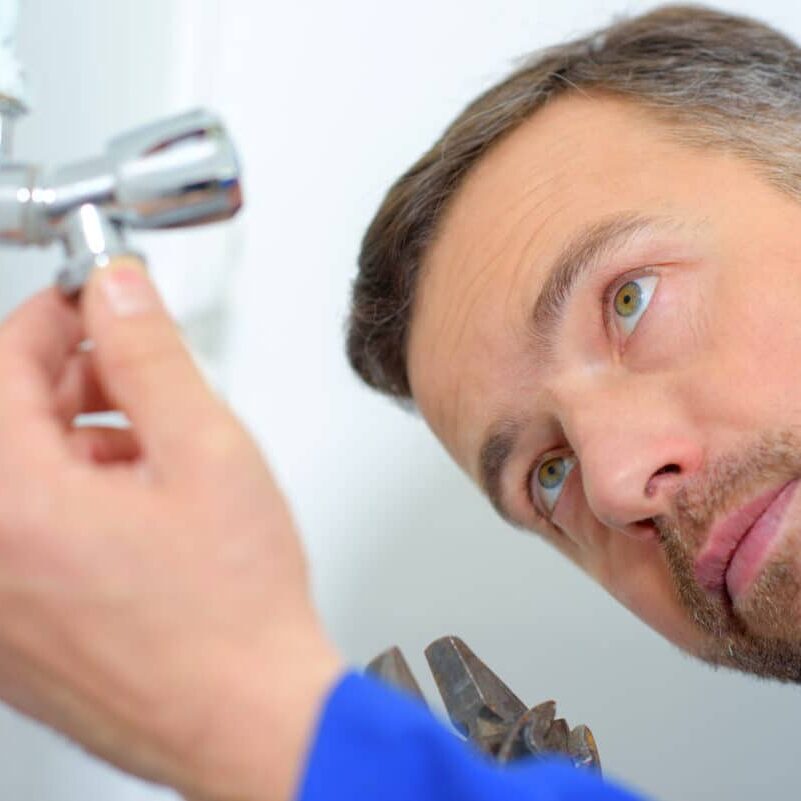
point(375, 744)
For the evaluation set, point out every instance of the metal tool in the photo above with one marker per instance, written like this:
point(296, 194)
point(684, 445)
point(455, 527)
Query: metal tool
point(485, 711)
point(177, 172)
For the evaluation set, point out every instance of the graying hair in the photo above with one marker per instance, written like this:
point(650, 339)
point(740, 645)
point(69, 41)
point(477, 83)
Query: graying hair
point(721, 81)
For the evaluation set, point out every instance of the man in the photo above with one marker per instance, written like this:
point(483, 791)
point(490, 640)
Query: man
point(589, 288)
point(576, 294)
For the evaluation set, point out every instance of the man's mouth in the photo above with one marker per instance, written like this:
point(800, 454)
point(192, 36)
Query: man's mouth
point(737, 547)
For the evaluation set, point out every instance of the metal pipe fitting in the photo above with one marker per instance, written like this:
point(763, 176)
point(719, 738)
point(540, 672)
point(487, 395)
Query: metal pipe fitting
point(177, 172)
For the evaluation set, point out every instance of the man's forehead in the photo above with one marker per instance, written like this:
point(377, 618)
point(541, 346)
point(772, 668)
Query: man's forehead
point(507, 221)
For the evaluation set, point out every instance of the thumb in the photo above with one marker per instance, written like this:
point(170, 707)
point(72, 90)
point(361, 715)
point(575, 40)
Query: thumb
point(142, 362)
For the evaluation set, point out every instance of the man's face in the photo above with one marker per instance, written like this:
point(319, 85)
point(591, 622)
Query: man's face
point(607, 338)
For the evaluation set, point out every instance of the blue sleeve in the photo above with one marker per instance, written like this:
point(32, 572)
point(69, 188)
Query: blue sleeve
point(375, 744)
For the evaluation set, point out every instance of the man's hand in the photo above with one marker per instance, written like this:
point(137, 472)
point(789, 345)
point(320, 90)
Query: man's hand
point(154, 603)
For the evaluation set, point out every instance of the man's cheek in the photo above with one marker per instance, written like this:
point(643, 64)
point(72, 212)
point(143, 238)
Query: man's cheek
point(636, 574)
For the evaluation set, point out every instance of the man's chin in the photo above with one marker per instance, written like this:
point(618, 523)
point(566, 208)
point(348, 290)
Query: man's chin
point(762, 635)
point(762, 657)
point(772, 606)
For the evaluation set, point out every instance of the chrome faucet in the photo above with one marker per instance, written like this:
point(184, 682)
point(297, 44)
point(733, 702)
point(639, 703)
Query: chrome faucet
point(177, 172)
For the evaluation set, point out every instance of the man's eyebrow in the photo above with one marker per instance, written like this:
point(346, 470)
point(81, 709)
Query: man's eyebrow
point(581, 253)
point(496, 449)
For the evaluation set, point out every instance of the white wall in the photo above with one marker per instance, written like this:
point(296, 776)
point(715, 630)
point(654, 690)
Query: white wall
point(328, 103)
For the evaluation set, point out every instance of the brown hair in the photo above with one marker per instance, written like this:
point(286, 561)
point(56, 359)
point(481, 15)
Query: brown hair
point(728, 81)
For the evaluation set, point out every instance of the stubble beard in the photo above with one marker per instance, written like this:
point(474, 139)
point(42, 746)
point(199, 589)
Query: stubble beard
point(761, 634)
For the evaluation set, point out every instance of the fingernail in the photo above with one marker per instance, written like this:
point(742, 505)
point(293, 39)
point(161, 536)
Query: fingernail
point(128, 290)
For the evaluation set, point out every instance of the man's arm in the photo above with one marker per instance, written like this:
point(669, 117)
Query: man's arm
point(154, 600)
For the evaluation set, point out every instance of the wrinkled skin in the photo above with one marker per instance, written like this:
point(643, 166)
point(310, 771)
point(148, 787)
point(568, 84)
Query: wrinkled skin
point(674, 423)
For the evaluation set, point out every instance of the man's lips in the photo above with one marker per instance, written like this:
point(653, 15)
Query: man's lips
point(758, 521)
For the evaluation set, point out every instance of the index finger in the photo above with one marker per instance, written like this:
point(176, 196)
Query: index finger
point(36, 340)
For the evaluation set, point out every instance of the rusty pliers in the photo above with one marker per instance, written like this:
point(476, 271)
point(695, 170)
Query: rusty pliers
point(485, 711)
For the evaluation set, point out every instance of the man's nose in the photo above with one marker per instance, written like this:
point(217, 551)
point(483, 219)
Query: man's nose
point(635, 449)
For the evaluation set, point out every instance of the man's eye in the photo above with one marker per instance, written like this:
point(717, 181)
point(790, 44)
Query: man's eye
point(631, 300)
point(549, 478)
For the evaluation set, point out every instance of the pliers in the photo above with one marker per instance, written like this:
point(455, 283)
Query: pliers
point(485, 711)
